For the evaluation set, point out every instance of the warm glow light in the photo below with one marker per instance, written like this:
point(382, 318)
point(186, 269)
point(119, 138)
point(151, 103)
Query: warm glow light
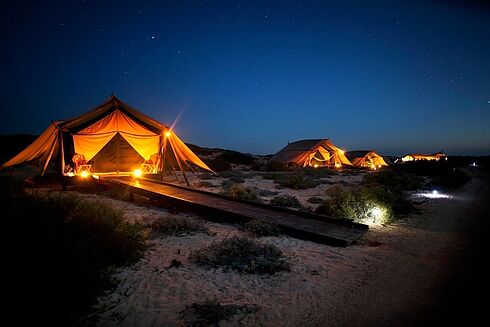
point(342, 151)
point(315, 165)
point(137, 173)
point(433, 195)
point(84, 174)
point(337, 165)
point(70, 174)
point(167, 134)
point(95, 176)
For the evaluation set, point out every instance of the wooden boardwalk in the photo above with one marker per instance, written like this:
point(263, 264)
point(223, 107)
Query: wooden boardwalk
point(311, 227)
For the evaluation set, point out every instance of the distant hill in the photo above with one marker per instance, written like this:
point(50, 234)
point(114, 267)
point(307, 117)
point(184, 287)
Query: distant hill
point(10, 145)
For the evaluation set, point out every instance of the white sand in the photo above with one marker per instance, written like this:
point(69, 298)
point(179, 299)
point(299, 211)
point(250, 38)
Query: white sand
point(389, 276)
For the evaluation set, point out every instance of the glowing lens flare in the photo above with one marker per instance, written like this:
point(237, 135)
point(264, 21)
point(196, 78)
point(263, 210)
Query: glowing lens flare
point(137, 173)
point(84, 174)
point(167, 134)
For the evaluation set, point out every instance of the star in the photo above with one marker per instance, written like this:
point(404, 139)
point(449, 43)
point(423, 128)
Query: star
point(153, 37)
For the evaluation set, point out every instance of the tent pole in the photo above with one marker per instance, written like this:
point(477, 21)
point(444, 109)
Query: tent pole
point(182, 170)
point(48, 158)
point(62, 155)
point(164, 154)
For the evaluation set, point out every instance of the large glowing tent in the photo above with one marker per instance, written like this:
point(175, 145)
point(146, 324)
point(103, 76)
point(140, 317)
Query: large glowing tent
point(315, 153)
point(417, 156)
point(112, 138)
point(366, 159)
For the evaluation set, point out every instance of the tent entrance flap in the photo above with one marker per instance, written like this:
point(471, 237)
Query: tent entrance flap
point(116, 156)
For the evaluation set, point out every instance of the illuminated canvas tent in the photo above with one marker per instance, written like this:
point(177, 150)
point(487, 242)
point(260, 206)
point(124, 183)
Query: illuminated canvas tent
point(315, 153)
point(112, 138)
point(417, 156)
point(366, 159)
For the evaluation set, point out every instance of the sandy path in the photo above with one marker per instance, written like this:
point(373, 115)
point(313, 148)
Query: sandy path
point(404, 274)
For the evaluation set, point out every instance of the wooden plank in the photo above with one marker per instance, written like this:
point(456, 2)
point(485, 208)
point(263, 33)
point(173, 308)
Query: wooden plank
point(297, 224)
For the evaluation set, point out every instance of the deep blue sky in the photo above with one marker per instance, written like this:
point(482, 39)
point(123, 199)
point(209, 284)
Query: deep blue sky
point(407, 76)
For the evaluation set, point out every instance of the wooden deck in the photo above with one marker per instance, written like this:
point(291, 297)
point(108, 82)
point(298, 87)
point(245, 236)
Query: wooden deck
point(311, 227)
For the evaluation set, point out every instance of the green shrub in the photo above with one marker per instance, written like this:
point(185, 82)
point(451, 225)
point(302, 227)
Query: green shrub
point(368, 204)
point(274, 176)
point(318, 172)
point(211, 313)
point(178, 226)
point(262, 228)
point(263, 192)
point(297, 181)
point(219, 164)
point(315, 200)
point(452, 179)
point(118, 192)
point(275, 166)
point(394, 180)
point(233, 177)
point(206, 184)
point(206, 176)
point(238, 192)
point(72, 245)
point(287, 201)
point(237, 158)
point(243, 255)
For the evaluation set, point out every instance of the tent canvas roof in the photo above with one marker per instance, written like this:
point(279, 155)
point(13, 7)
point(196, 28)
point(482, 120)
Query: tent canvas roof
point(301, 152)
point(92, 131)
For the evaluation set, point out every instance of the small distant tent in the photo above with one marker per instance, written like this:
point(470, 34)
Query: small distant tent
point(366, 159)
point(315, 153)
point(417, 156)
point(113, 138)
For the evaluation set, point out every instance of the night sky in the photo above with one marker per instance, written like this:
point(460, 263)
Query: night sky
point(397, 77)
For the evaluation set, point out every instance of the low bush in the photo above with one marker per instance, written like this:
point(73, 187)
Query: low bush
point(211, 313)
point(238, 192)
point(243, 255)
point(206, 176)
point(237, 158)
point(452, 179)
point(233, 177)
point(262, 228)
point(297, 181)
point(444, 173)
point(394, 180)
point(118, 193)
point(286, 201)
point(275, 166)
point(315, 200)
point(273, 176)
point(368, 204)
point(206, 184)
point(178, 226)
point(219, 164)
point(263, 192)
point(62, 250)
point(319, 172)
